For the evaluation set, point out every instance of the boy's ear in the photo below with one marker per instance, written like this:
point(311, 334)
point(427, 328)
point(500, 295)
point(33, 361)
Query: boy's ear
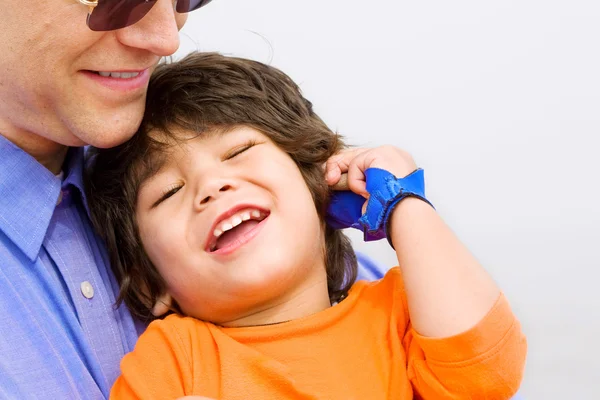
point(162, 305)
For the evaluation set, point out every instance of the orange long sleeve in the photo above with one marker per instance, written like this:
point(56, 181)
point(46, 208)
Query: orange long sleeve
point(362, 348)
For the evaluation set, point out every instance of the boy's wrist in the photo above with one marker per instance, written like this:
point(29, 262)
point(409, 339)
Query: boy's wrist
point(386, 192)
point(409, 210)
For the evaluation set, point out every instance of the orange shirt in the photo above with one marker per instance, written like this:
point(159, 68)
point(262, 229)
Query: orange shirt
point(362, 348)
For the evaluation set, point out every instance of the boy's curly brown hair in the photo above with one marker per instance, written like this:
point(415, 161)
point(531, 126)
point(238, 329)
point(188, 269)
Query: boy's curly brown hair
point(201, 93)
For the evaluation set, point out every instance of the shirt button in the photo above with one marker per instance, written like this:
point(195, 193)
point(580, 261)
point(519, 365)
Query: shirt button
point(87, 290)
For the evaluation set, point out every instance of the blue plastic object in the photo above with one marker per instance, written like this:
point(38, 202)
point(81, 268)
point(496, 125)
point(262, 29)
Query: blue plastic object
point(385, 191)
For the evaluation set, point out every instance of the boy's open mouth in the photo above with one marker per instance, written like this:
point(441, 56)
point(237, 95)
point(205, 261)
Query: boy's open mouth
point(235, 228)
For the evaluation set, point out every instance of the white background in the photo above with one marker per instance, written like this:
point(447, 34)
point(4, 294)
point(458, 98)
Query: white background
point(499, 102)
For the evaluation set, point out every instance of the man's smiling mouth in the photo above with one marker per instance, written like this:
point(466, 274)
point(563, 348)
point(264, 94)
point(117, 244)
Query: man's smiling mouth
point(122, 75)
point(117, 74)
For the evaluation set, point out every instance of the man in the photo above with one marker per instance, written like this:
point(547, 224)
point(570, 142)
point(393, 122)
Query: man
point(63, 86)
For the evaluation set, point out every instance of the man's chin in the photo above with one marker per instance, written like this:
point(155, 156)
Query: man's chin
point(108, 139)
point(108, 127)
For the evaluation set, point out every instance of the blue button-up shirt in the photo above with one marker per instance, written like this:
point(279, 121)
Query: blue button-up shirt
point(60, 335)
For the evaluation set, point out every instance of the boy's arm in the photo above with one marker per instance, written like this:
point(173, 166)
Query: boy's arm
point(465, 341)
point(463, 337)
point(447, 290)
point(484, 362)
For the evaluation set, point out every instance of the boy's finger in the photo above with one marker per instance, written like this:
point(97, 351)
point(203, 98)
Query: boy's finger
point(356, 175)
point(332, 176)
point(339, 162)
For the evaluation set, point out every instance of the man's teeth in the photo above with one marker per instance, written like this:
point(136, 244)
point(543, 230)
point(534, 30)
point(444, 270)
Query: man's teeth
point(122, 75)
point(237, 219)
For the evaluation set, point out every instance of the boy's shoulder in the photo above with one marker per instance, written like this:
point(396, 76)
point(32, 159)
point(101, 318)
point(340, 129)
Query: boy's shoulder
point(178, 329)
point(391, 282)
point(386, 293)
point(178, 322)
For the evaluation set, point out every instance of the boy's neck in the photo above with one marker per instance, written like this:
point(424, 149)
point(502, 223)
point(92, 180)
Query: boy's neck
point(308, 300)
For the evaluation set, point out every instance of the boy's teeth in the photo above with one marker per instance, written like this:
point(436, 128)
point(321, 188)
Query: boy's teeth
point(235, 221)
point(122, 75)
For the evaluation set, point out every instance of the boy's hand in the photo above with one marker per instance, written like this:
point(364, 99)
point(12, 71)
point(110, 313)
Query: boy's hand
point(345, 170)
point(392, 175)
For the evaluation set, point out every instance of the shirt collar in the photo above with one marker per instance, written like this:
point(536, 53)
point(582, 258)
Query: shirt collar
point(74, 165)
point(28, 195)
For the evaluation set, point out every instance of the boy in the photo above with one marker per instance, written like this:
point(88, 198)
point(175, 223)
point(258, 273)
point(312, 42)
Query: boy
point(216, 211)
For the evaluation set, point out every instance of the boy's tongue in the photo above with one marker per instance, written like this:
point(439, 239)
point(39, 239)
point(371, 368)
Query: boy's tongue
point(234, 234)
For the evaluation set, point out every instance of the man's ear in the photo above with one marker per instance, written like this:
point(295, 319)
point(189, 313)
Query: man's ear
point(162, 305)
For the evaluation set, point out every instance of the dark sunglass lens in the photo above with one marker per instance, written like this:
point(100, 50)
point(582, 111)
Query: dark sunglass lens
point(184, 6)
point(109, 15)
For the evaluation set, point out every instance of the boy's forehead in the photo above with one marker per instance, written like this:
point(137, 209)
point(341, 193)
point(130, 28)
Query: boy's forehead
point(168, 147)
point(174, 137)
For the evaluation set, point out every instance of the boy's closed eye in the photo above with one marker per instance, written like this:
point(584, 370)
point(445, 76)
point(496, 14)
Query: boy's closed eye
point(237, 150)
point(168, 192)
point(232, 153)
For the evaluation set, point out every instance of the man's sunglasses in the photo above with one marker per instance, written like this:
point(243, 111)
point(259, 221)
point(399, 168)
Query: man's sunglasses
point(108, 15)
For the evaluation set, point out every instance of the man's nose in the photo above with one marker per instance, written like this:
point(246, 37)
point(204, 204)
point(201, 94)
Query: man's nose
point(157, 32)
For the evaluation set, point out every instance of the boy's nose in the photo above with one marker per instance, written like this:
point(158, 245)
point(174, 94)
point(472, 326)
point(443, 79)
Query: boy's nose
point(211, 192)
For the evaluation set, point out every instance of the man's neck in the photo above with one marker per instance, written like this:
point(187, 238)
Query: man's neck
point(48, 153)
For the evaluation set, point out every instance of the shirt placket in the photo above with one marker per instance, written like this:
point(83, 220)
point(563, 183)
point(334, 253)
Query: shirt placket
point(71, 251)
